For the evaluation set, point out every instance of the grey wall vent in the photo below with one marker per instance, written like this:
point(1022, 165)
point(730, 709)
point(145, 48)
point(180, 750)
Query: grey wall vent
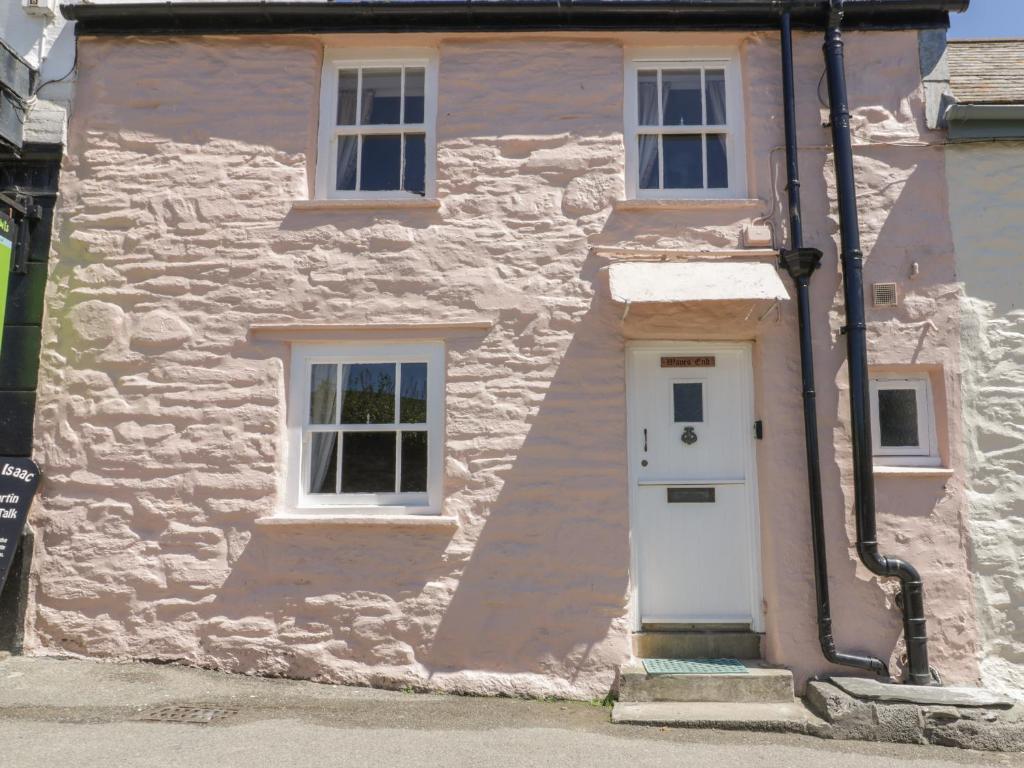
point(884, 294)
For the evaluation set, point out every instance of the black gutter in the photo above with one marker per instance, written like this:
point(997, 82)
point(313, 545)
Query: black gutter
point(801, 263)
point(914, 630)
point(491, 15)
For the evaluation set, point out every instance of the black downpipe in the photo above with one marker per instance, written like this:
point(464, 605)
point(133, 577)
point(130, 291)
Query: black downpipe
point(801, 262)
point(914, 630)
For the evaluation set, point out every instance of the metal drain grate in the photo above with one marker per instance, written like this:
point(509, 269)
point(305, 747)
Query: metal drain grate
point(197, 715)
point(694, 667)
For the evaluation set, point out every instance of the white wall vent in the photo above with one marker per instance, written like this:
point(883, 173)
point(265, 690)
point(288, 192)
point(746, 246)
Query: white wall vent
point(40, 7)
point(885, 294)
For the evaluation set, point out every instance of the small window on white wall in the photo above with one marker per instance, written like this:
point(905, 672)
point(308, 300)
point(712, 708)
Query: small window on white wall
point(377, 118)
point(365, 424)
point(903, 420)
point(684, 125)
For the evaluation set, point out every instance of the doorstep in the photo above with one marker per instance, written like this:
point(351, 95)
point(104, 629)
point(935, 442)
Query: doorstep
point(780, 717)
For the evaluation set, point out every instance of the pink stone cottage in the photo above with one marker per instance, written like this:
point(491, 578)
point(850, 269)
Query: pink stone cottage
point(447, 346)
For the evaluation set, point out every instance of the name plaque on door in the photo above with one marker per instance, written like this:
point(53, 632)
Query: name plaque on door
point(692, 361)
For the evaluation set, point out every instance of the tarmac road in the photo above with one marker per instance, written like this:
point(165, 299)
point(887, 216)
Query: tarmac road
point(80, 714)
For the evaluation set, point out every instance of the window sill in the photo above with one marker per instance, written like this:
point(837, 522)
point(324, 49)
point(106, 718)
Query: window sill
point(686, 204)
point(910, 471)
point(366, 203)
point(437, 522)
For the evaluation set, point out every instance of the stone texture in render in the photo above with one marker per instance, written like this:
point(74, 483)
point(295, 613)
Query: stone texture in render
point(160, 425)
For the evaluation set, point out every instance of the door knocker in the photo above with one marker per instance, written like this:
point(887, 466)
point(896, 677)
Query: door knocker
point(689, 436)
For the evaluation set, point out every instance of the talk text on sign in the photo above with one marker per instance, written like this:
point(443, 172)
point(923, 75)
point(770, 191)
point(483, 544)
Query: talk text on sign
point(691, 361)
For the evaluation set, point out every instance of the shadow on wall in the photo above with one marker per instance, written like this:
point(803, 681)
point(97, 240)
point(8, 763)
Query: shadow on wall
point(548, 575)
point(538, 591)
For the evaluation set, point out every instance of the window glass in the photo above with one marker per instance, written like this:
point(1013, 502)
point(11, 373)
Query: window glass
point(415, 163)
point(368, 393)
point(647, 97)
point(684, 164)
point(414, 462)
point(382, 97)
point(650, 177)
point(323, 394)
point(415, 78)
point(718, 161)
point(348, 86)
point(381, 163)
point(368, 462)
point(897, 418)
point(323, 462)
point(413, 405)
point(688, 402)
point(348, 152)
point(681, 97)
point(714, 90)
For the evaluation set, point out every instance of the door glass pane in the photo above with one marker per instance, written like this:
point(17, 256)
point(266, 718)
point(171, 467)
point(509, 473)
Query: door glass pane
point(897, 418)
point(648, 155)
point(368, 462)
point(647, 97)
point(414, 462)
point(382, 96)
point(348, 147)
point(684, 164)
point(368, 393)
point(718, 162)
point(414, 393)
point(323, 462)
point(714, 90)
point(348, 83)
point(681, 97)
point(688, 402)
point(414, 79)
point(323, 394)
point(415, 164)
point(381, 163)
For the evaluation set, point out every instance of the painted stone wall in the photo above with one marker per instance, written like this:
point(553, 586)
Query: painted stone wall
point(160, 426)
point(987, 211)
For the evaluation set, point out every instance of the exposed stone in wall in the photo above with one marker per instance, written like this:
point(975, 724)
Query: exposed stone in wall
point(160, 424)
point(987, 210)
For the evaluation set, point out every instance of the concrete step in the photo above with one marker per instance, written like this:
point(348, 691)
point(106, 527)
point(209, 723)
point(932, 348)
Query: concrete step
point(698, 644)
point(789, 717)
point(760, 684)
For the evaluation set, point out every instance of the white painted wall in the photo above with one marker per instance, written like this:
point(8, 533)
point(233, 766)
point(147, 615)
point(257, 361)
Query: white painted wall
point(987, 212)
point(48, 44)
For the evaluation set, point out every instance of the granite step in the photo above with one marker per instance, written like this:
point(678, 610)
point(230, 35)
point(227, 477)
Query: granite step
point(759, 684)
point(786, 717)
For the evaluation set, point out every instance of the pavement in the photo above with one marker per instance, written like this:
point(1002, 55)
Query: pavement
point(80, 713)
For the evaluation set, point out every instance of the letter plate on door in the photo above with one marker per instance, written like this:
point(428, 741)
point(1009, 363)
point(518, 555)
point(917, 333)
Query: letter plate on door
point(691, 495)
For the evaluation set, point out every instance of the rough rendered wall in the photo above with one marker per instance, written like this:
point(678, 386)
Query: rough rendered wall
point(987, 211)
point(160, 417)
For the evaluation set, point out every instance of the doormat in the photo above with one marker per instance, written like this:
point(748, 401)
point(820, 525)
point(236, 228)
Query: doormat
point(694, 667)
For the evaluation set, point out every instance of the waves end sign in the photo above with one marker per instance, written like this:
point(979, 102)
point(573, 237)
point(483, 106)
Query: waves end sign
point(19, 479)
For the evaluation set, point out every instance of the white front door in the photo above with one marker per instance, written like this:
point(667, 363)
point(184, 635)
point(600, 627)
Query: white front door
point(694, 517)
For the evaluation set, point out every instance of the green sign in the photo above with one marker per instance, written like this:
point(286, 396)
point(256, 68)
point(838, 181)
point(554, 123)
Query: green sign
point(8, 233)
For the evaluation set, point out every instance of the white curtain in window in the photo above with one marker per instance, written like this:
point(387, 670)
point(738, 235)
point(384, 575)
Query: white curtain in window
point(322, 410)
point(647, 98)
point(346, 115)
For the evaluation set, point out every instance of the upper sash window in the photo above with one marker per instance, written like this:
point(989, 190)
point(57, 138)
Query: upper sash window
point(684, 126)
point(377, 118)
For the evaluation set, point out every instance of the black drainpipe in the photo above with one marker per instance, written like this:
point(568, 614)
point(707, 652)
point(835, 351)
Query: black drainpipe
point(801, 262)
point(912, 596)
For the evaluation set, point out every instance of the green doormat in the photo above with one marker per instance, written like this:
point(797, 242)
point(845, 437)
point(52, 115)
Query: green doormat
point(694, 667)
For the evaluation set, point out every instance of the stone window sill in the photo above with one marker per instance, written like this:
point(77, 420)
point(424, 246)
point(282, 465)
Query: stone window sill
point(368, 203)
point(893, 471)
point(640, 204)
point(435, 522)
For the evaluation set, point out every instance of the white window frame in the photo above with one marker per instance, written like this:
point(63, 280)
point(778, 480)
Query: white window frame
point(735, 130)
point(304, 356)
point(328, 131)
point(925, 454)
